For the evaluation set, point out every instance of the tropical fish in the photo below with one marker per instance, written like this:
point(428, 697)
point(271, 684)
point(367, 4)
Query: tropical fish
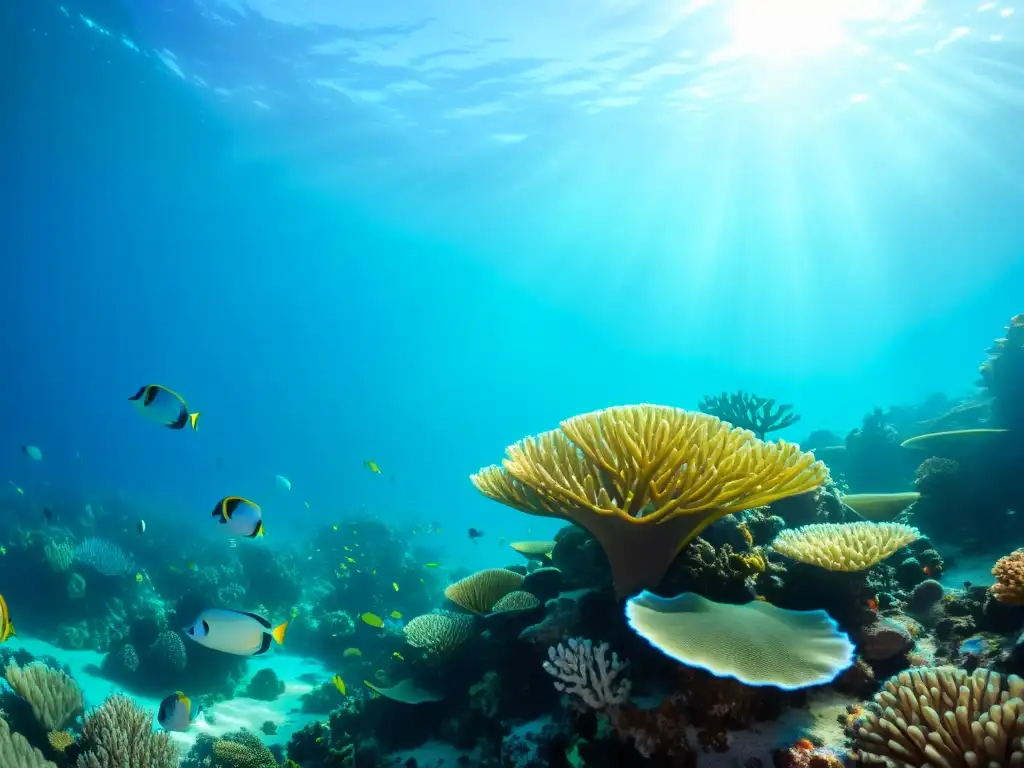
point(433, 565)
point(283, 482)
point(177, 712)
point(165, 407)
point(241, 516)
point(372, 466)
point(335, 527)
point(142, 527)
point(339, 684)
point(395, 585)
point(138, 578)
point(237, 632)
point(398, 656)
point(350, 559)
point(351, 652)
point(32, 452)
point(395, 615)
point(6, 625)
point(373, 620)
point(474, 534)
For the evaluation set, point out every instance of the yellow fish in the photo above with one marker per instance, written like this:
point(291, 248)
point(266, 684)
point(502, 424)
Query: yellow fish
point(373, 572)
point(335, 527)
point(433, 565)
point(398, 656)
point(6, 626)
point(295, 612)
point(352, 652)
point(395, 585)
point(339, 684)
point(138, 578)
point(3, 550)
point(395, 615)
point(350, 559)
point(373, 620)
point(345, 547)
point(354, 532)
point(372, 466)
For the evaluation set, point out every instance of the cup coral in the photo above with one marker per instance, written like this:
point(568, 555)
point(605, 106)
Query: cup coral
point(644, 480)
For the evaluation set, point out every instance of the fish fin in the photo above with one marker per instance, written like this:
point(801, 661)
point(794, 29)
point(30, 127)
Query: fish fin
point(151, 393)
point(10, 629)
point(257, 532)
point(138, 395)
point(193, 419)
point(279, 631)
point(264, 644)
point(230, 504)
point(262, 621)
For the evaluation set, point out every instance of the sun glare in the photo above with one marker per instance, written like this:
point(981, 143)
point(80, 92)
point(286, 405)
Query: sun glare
point(787, 28)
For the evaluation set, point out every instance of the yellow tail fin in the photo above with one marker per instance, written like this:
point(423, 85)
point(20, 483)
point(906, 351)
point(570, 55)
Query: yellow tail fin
point(278, 633)
point(194, 420)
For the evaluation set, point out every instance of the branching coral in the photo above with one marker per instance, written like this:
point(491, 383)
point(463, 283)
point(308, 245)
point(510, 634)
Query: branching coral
point(16, 752)
point(585, 670)
point(944, 717)
point(119, 733)
point(55, 699)
point(1009, 573)
point(844, 547)
point(644, 480)
point(758, 414)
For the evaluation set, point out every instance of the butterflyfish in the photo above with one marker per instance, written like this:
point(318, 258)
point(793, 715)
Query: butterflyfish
point(373, 620)
point(6, 626)
point(240, 516)
point(339, 684)
point(372, 466)
point(237, 632)
point(177, 712)
point(165, 407)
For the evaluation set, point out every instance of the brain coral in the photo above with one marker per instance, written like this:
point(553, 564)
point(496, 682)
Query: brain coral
point(439, 632)
point(479, 591)
point(844, 546)
point(944, 717)
point(644, 480)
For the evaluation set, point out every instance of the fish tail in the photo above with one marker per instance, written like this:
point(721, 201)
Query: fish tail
point(193, 419)
point(279, 631)
point(258, 533)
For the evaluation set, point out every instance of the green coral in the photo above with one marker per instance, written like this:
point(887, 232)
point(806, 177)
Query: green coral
point(242, 750)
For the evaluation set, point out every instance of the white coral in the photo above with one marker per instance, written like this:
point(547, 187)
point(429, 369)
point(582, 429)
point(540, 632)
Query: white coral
point(586, 671)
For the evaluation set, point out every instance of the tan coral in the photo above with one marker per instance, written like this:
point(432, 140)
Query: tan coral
point(644, 480)
point(55, 699)
point(844, 546)
point(479, 591)
point(534, 550)
point(1009, 573)
point(944, 717)
point(440, 632)
point(16, 752)
point(516, 601)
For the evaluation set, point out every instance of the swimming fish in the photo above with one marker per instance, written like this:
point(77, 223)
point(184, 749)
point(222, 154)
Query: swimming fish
point(398, 656)
point(373, 620)
point(164, 406)
point(433, 565)
point(32, 452)
point(237, 632)
point(240, 516)
point(339, 684)
point(48, 514)
point(138, 578)
point(372, 466)
point(283, 482)
point(395, 585)
point(142, 527)
point(395, 615)
point(352, 652)
point(177, 712)
point(474, 534)
point(6, 626)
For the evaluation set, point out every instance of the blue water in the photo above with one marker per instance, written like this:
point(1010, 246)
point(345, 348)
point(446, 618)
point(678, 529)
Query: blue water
point(414, 234)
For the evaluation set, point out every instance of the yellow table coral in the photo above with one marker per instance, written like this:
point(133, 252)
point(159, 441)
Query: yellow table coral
point(644, 480)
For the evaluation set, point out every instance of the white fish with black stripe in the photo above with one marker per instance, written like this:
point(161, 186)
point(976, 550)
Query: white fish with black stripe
point(236, 632)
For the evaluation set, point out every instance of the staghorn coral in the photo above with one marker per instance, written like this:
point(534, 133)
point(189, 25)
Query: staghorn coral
point(943, 717)
point(1009, 573)
point(479, 591)
point(644, 480)
point(844, 547)
point(16, 752)
point(119, 734)
point(758, 414)
point(439, 632)
point(585, 670)
point(55, 699)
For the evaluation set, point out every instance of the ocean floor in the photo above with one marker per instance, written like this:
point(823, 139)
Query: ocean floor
point(219, 719)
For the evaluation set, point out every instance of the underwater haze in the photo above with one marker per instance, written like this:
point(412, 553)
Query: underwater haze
point(374, 243)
